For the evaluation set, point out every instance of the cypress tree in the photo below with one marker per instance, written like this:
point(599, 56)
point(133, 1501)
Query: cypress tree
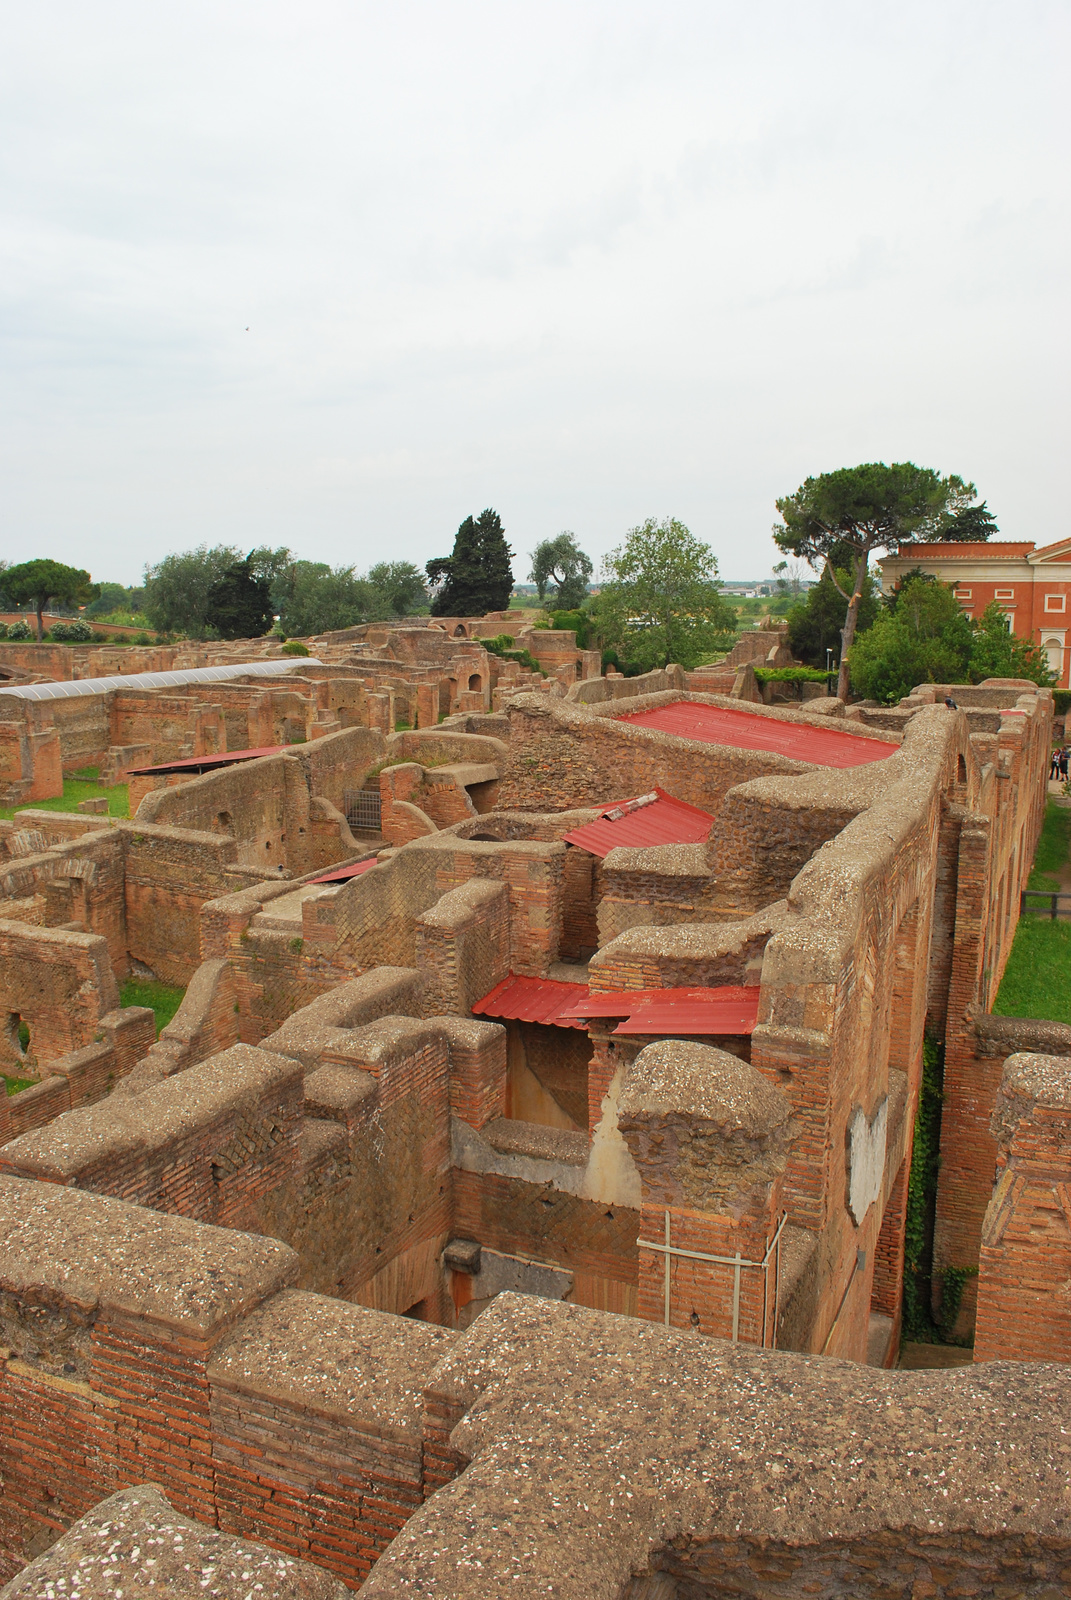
point(478, 574)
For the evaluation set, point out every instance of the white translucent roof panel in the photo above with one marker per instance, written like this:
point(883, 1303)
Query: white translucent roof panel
point(157, 680)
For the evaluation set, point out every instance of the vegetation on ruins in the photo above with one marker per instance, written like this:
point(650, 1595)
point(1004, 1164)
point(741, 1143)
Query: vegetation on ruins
point(840, 518)
point(922, 635)
point(37, 582)
point(83, 785)
point(661, 600)
point(562, 564)
point(239, 604)
point(476, 577)
point(163, 999)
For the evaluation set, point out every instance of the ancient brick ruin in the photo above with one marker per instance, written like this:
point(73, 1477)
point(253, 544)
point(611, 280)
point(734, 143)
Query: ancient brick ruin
point(516, 1203)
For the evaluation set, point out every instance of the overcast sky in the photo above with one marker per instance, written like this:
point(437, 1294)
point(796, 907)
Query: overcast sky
point(337, 275)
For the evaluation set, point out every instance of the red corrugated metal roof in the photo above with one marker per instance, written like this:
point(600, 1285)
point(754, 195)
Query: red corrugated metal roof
point(824, 747)
point(729, 1009)
point(519, 999)
point(340, 874)
point(664, 821)
point(222, 758)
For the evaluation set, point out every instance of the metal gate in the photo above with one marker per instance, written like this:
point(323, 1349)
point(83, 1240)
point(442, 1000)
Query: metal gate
point(363, 808)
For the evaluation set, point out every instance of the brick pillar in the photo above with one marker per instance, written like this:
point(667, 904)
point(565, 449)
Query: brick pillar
point(427, 705)
point(709, 1139)
point(1024, 1302)
point(379, 712)
point(968, 1150)
point(477, 1069)
point(887, 1289)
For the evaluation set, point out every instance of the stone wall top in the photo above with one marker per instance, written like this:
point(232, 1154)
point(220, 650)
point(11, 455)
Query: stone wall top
point(68, 1249)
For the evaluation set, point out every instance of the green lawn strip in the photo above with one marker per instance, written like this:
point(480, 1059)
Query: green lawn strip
point(1054, 847)
point(82, 787)
point(164, 998)
point(1037, 979)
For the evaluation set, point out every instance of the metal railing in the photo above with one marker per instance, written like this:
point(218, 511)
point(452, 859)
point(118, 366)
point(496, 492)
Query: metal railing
point(364, 809)
point(1053, 896)
point(738, 1263)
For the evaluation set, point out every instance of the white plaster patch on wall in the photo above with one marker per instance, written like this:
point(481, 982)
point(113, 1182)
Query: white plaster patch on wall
point(866, 1159)
point(611, 1175)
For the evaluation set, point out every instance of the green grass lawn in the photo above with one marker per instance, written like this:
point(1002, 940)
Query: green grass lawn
point(83, 786)
point(1037, 979)
point(164, 998)
point(1054, 847)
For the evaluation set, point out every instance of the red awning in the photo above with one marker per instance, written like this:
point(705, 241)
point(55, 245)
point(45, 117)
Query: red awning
point(662, 820)
point(518, 999)
point(729, 1009)
point(743, 730)
point(222, 758)
point(340, 874)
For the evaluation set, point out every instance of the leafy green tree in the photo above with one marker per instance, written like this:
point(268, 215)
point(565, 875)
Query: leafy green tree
point(863, 509)
point(974, 524)
point(996, 652)
point(321, 599)
point(37, 582)
point(239, 604)
point(401, 586)
point(562, 563)
point(662, 601)
point(176, 588)
point(477, 576)
point(923, 637)
point(816, 621)
point(110, 597)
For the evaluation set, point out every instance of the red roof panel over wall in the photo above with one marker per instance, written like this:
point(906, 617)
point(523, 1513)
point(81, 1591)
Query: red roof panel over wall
point(518, 999)
point(221, 758)
point(730, 1008)
point(742, 730)
point(665, 821)
point(340, 874)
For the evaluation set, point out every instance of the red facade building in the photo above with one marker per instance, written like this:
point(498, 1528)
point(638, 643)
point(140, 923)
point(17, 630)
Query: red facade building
point(1031, 585)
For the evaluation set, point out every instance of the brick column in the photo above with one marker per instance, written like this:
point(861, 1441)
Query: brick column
point(1024, 1302)
point(709, 1138)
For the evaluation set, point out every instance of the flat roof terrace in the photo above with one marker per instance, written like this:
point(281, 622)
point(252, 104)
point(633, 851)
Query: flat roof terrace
point(742, 730)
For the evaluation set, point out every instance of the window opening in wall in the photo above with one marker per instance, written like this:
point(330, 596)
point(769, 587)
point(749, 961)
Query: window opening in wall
point(475, 683)
point(225, 821)
point(961, 771)
point(364, 809)
point(18, 1033)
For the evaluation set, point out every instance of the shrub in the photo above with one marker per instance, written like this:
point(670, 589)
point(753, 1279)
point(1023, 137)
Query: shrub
point(19, 630)
point(142, 638)
point(1061, 701)
point(792, 675)
point(294, 647)
point(3, 630)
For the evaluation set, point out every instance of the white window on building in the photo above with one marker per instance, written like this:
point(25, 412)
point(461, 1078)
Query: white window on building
point(962, 593)
point(1053, 646)
point(1055, 602)
point(1004, 594)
